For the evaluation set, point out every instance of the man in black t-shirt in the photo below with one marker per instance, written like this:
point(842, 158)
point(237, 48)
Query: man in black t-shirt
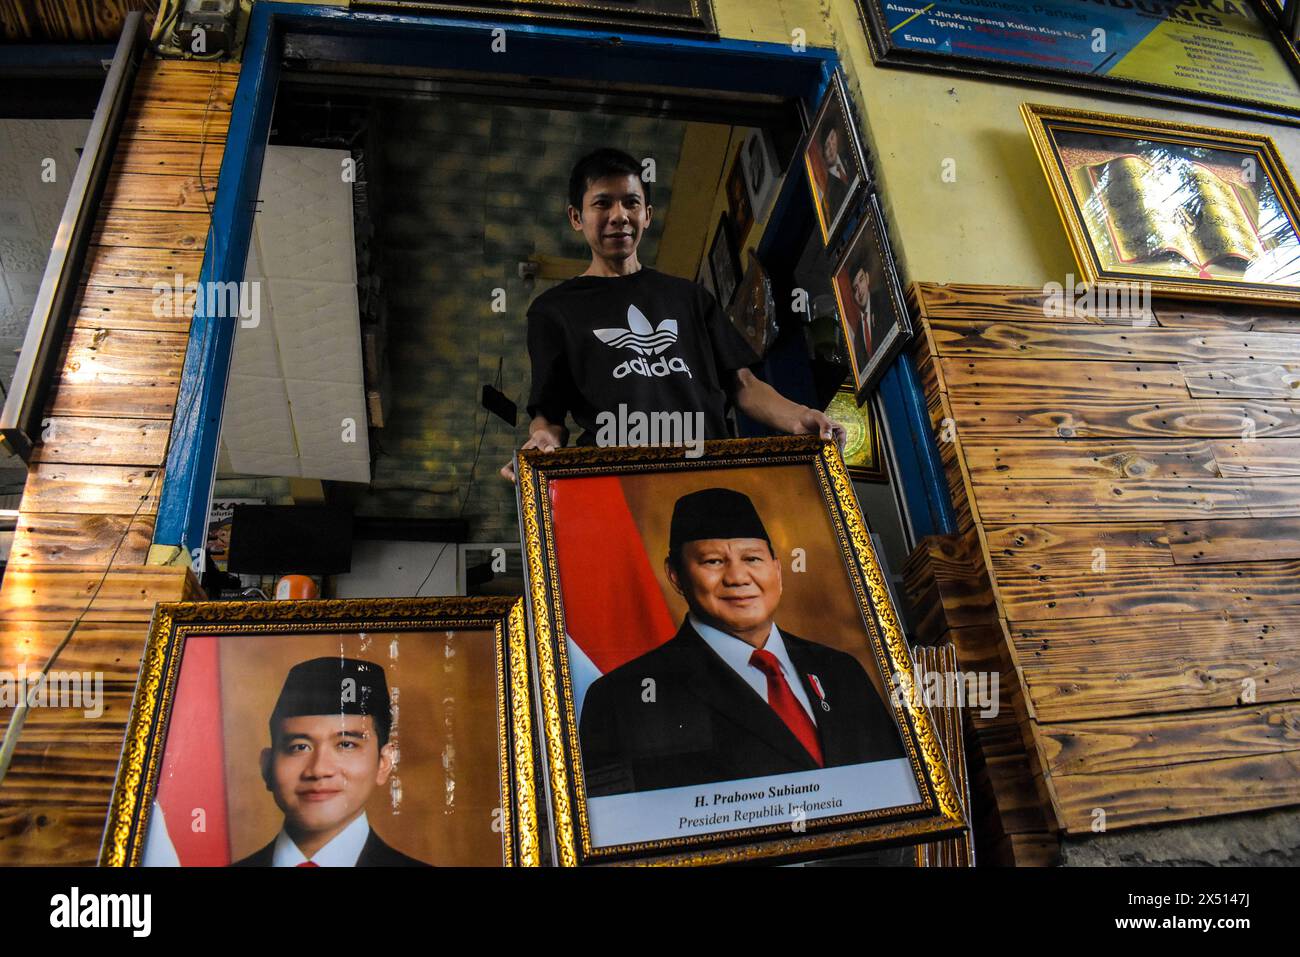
point(623, 339)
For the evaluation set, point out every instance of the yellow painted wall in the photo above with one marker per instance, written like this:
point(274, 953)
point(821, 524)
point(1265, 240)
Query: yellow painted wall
point(706, 149)
point(997, 222)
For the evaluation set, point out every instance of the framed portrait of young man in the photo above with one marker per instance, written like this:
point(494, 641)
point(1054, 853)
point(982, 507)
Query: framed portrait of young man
point(834, 161)
point(718, 662)
point(391, 732)
point(873, 312)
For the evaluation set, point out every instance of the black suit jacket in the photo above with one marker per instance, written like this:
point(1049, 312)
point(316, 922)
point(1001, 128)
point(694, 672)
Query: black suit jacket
point(706, 723)
point(862, 330)
point(836, 192)
point(374, 853)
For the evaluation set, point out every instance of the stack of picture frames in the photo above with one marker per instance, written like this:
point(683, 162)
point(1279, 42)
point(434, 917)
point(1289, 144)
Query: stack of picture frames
point(873, 313)
point(936, 668)
point(869, 300)
point(738, 280)
point(402, 731)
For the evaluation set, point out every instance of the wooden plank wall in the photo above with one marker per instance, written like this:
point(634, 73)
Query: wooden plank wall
point(1134, 490)
point(946, 581)
point(65, 21)
point(93, 484)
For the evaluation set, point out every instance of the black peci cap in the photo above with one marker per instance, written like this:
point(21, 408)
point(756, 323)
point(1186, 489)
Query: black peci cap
point(714, 513)
point(335, 686)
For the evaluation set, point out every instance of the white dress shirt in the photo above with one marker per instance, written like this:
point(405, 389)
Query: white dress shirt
point(736, 654)
point(342, 850)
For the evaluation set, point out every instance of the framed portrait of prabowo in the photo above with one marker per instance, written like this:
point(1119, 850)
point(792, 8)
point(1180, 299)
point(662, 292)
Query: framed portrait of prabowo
point(833, 159)
point(391, 732)
point(1187, 211)
point(873, 312)
point(863, 455)
point(715, 652)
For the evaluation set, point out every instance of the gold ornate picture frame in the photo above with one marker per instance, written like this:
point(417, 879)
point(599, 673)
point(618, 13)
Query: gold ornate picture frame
point(864, 456)
point(1182, 211)
point(834, 162)
point(596, 527)
point(874, 319)
point(457, 731)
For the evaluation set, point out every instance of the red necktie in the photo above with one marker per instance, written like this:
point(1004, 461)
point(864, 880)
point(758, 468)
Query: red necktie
point(786, 705)
point(307, 864)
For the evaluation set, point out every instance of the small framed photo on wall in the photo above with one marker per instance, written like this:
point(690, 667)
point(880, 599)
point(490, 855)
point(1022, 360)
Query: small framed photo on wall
point(742, 213)
point(762, 172)
point(705, 277)
point(753, 313)
point(835, 162)
point(863, 454)
point(724, 262)
point(873, 312)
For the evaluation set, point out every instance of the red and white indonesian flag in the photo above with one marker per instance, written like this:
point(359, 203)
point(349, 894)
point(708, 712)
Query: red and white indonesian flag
point(614, 609)
point(189, 824)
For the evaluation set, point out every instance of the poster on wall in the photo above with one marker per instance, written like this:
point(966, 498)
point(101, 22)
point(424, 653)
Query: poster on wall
point(221, 518)
point(651, 16)
point(1227, 52)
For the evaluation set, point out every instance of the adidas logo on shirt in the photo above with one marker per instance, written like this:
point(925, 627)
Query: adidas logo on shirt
point(647, 340)
point(654, 370)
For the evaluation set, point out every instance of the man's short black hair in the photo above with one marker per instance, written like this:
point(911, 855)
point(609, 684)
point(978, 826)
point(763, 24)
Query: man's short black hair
point(713, 513)
point(597, 165)
point(335, 685)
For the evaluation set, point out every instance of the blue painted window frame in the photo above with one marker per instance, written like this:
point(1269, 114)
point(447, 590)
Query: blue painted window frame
point(734, 65)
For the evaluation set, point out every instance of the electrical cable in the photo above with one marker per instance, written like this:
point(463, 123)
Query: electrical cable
point(9, 744)
point(169, 12)
point(469, 489)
